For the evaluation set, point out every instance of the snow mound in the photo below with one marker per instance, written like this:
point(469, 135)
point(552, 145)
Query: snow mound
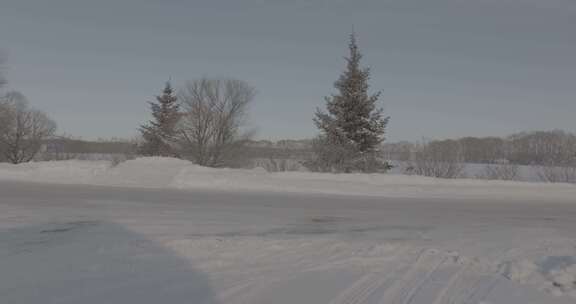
point(150, 172)
point(66, 172)
point(159, 172)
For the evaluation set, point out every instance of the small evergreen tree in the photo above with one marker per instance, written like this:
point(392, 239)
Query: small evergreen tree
point(353, 127)
point(160, 131)
point(2, 79)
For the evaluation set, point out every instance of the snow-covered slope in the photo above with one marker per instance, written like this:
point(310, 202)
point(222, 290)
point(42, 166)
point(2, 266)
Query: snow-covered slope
point(158, 172)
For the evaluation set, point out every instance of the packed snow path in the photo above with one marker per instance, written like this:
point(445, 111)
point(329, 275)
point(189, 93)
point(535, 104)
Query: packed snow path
point(95, 244)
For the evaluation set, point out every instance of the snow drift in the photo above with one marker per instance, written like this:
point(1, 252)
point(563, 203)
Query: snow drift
point(158, 172)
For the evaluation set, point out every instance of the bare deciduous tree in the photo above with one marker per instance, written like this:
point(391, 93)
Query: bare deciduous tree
point(214, 112)
point(484, 150)
point(548, 148)
point(22, 129)
point(401, 151)
point(557, 174)
point(441, 159)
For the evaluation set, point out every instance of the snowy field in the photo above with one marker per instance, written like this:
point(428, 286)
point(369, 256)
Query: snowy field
point(166, 231)
point(171, 173)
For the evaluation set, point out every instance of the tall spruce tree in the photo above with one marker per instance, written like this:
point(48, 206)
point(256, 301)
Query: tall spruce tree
point(160, 131)
point(353, 127)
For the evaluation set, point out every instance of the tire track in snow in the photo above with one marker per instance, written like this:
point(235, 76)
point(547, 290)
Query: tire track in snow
point(361, 290)
point(482, 290)
point(424, 281)
point(403, 275)
point(414, 278)
point(451, 285)
point(448, 282)
point(468, 286)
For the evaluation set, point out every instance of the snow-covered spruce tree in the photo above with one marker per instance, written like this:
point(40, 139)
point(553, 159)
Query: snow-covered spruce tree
point(158, 134)
point(353, 127)
point(2, 79)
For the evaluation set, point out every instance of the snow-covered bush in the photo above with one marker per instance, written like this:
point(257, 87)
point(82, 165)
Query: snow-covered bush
point(502, 171)
point(556, 174)
point(442, 159)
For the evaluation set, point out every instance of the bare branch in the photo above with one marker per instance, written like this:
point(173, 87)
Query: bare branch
point(22, 129)
point(210, 131)
point(441, 159)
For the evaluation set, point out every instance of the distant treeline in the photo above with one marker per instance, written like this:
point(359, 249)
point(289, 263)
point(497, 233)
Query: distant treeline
point(526, 148)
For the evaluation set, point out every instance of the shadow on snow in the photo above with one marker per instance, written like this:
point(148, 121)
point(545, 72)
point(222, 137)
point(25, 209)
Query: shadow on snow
point(93, 262)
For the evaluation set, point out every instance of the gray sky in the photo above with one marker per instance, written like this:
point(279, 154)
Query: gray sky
point(446, 67)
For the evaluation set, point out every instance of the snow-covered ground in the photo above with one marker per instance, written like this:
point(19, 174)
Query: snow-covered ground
point(85, 244)
point(180, 174)
point(164, 231)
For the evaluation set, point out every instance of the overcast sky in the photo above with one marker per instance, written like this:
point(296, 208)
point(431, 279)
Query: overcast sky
point(447, 68)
